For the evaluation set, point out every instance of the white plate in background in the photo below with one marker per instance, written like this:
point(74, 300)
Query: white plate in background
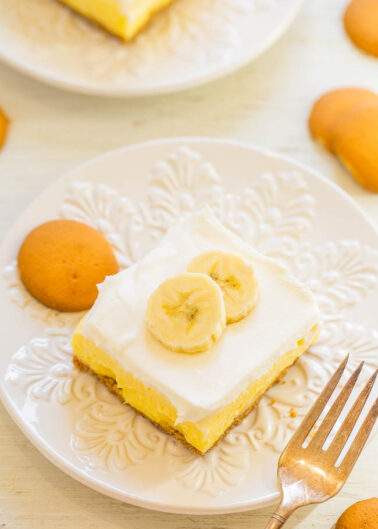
point(188, 44)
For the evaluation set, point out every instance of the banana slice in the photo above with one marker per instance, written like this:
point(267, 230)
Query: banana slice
point(187, 313)
point(236, 279)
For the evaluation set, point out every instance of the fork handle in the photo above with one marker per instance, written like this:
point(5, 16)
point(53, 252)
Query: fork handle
point(276, 521)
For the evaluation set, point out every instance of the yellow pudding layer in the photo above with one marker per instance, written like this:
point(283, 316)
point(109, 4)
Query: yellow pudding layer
point(201, 435)
point(124, 18)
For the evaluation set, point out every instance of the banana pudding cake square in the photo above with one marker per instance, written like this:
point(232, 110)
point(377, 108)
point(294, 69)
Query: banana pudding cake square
point(193, 334)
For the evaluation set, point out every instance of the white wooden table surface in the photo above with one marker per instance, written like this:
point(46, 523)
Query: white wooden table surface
point(266, 103)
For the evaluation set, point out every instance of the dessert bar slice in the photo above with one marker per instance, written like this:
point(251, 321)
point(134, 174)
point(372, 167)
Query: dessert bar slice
point(195, 397)
point(124, 18)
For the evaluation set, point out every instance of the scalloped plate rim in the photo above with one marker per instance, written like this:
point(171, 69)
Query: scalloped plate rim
point(60, 81)
point(34, 437)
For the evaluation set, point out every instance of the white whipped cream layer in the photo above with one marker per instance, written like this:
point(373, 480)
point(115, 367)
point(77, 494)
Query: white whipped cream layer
point(197, 385)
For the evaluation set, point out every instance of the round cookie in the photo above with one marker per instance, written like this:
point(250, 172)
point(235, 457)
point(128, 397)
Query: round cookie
point(356, 143)
point(3, 128)
point(328, 109)
point(360, 515)
point(62, 261)
point(361, 24)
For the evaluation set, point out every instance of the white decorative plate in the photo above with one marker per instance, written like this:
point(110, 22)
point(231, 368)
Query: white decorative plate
point(189, 44)
point(132, 195)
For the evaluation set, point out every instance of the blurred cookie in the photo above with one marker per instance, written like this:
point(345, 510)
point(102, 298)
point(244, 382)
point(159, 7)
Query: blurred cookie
point(356, 143)
point(360, 515)
point(3, 127)
point(62, 261)
point(361, 24)
point(328, 109)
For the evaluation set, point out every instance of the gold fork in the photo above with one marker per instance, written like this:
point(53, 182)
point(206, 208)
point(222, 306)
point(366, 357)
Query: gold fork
point(308, 474)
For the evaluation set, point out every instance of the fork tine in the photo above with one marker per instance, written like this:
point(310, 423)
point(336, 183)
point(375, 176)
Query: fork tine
point(334, 412)
point(317, 408)
point(359, 442)
point(350, 420)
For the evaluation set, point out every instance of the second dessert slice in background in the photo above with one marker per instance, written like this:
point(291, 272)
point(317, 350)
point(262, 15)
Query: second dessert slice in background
point(124, 18)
